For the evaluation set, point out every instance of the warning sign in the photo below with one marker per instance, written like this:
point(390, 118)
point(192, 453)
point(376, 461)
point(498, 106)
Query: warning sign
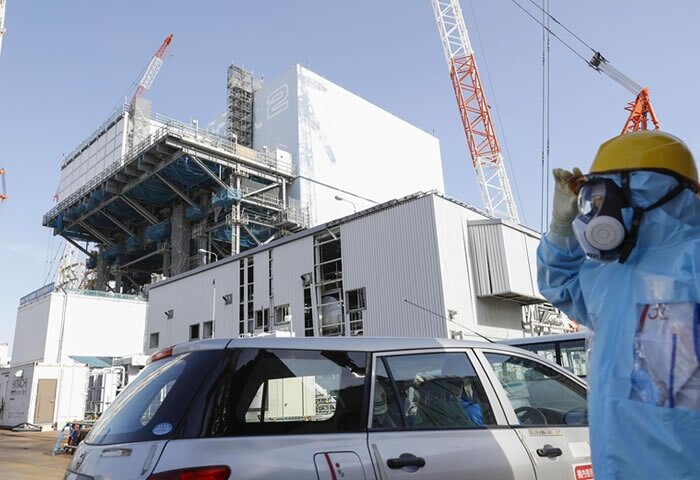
point(583, 471)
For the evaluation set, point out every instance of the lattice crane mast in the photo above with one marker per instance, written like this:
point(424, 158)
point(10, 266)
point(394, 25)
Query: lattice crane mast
point(152, 70)
point(485, 150)
point(641, 111)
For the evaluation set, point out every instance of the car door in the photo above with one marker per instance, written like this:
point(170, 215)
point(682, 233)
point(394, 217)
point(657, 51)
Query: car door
point(432, 416)
point(278, 413)
point(546, 407)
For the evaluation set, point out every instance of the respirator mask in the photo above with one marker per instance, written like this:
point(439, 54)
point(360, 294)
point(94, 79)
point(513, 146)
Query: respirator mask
point(600, 228)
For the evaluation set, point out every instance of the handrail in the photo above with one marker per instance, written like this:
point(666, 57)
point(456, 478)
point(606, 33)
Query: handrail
point(179, 130)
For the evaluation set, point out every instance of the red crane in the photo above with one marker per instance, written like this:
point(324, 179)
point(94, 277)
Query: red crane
point(485, 150)
point(152, 70)
point(641, 110)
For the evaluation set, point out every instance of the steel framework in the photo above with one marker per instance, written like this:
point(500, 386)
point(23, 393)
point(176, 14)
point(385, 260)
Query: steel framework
point(641, 112)
point(239, 116)
point(640, 109)
point(487, 158)
point(175, 192)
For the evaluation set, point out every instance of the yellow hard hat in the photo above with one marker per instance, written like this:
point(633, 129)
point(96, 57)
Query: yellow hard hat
point(646, 150)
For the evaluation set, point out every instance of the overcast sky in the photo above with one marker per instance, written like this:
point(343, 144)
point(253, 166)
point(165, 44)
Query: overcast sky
point(65, 65)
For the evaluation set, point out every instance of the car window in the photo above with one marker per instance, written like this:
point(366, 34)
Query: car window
point(546, 350)
point(272, 392)
point(156, 402)
point(539, 394)
point(428, 390)
point(573, 356)
point(153, 405)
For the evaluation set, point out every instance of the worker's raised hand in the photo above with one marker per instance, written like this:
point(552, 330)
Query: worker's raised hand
point(564, 207)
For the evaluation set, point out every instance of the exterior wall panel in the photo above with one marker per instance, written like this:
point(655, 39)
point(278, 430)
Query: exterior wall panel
point(379, 158)
point(291, 261)
point(499, 318)
point(456, 265)
point(394, 255)
point(505, 259)
point(192, 300)
point(33, 330)
point(103, 148)
point(262, 281)
point(100, 326)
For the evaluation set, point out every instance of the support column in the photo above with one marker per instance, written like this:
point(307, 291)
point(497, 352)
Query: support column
point(101, 272)
point(180, 235)
point(236, 236)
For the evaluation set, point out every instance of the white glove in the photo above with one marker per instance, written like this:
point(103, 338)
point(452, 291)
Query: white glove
point(564, 208)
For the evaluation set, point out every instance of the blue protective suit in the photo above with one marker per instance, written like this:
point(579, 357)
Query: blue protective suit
point(644, 382)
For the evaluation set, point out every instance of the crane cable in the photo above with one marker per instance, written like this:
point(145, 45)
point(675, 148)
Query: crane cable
point(544, 206)
point(548, 30)
point(545, 13)
point(545, 143)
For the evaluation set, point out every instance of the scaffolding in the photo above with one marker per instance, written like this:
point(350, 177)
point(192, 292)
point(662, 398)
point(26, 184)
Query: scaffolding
point(544, 319)
point(239, 118)
point(176, 191)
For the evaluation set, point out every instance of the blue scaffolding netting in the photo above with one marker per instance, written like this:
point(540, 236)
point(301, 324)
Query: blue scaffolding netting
point(226, 197)
point(158, 232)
point(196, 212)
point(133, 243)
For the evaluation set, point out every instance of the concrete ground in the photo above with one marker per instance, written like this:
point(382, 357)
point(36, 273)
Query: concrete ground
point(27, 456)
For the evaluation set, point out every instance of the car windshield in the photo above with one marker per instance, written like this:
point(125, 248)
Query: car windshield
point(152, 406)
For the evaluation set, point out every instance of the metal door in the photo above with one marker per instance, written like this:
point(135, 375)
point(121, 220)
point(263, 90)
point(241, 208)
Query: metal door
point(433, 416)
point(547, 408)
point(45, 401)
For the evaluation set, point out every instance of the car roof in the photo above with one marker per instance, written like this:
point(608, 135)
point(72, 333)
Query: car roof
point(358, 344)
point(543, 339)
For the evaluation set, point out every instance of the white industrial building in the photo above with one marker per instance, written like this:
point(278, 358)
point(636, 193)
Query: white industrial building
point(60, 337)
point(342, 145)
point(4, 354)
point(424, 265)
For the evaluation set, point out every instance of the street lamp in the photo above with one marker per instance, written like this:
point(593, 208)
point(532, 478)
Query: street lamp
point(341, 199)
point(216, 257)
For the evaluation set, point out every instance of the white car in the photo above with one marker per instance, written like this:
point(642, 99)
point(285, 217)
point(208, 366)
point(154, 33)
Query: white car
point(345, 408)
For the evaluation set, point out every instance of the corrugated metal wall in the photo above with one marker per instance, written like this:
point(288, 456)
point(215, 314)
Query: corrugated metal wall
point(290, 261)
point(36, 327)
point(504, 260)
point(455, 262)
point(499, 318)
point(261, 298)
point(394, 255)
point(192, 299)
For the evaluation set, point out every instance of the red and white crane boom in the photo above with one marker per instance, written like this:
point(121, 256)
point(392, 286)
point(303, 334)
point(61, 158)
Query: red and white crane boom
point(641, 111)
point(485, 150)
point(152, 69)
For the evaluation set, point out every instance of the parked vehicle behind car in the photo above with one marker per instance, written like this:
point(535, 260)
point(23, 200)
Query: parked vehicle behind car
point(566, 349)
point(342, 408)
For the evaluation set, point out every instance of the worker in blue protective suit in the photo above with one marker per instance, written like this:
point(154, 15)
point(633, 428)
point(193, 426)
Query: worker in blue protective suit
point(622, 256)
